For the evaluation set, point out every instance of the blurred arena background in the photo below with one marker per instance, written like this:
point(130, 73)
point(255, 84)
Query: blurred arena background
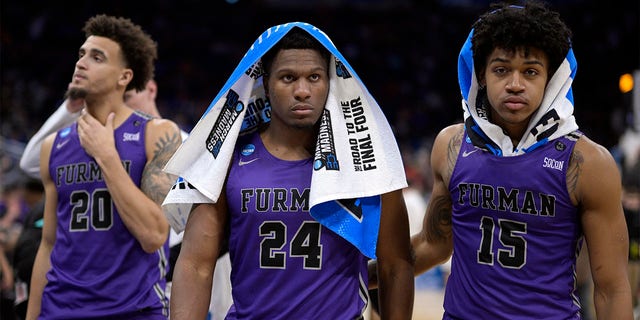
point(404, 51)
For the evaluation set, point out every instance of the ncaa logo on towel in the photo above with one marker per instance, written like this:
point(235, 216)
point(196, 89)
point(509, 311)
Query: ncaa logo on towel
point(341, 70)
point(228, 115)
point(325, 156)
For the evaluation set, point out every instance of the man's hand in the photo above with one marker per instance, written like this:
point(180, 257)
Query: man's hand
point(96, 139)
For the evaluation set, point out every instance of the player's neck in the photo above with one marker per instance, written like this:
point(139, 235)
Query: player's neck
point(289, 146)
point(102, 111)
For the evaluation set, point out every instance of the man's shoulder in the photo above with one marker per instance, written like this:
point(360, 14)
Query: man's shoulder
point(589, 152)
point(456, 128)
point(450, 135)
point(592, 166)
point(585, 144)
point(162, 136)
point(445, 150)
point(163, 127)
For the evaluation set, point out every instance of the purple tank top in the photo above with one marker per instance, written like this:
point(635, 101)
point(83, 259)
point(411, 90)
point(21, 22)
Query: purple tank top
point(98, 269)
point(285, 265)
point(516, 235)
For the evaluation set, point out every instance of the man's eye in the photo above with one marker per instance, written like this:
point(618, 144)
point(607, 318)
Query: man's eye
point(531, 72)
point(500, 70)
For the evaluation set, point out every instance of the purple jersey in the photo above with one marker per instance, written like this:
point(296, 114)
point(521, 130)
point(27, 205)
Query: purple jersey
point(98, 269)
point(516, 235)
point(285, 265)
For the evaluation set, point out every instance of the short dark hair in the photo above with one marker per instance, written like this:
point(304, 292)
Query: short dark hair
point(296, 38)
point(139, 50)
point(510, 27)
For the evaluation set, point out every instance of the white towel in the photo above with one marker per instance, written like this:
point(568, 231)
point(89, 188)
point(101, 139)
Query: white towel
point(356, 157)
point(552, 120)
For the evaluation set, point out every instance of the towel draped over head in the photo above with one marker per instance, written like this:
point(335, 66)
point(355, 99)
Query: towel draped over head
point(356, 158)
point(552, 120)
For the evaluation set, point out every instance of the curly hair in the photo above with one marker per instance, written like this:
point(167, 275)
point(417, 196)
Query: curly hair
point(511, 27)
point(138, 49)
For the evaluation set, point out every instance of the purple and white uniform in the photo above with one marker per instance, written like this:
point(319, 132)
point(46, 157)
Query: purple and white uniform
point(285, 265)
point(98, 268)
point(514, 226)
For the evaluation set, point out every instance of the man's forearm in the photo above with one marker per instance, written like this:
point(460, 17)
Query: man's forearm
point(396, 291)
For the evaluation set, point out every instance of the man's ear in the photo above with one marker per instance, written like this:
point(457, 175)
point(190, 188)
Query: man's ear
point(152, 87)
point(125, 77)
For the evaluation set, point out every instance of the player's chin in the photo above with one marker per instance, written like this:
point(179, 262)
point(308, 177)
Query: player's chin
point(303, 124)
point(75, 92)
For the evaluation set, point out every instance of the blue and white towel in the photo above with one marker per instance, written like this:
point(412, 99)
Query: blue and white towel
point(356, 158)
point(553, 119)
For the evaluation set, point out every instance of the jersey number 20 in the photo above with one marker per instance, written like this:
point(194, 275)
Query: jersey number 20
point(93, 209)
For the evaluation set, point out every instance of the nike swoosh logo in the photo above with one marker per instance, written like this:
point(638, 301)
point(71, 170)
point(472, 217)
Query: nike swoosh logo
point(61, 144)
point(242, 163)
point(466, 154)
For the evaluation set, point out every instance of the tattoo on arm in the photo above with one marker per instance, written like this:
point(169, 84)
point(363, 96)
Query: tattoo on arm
point(439, 217)
point(452, 155)
point(156, 183)
point(439, 220)
point(573, 173)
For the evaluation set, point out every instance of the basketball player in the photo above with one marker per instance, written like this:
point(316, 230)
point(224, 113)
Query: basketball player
point(104, 243)
point(143, 101)
point(517, 187)
point(324, 276)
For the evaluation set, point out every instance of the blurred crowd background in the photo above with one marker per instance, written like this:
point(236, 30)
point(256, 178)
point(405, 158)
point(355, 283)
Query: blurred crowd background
point(404, 51)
